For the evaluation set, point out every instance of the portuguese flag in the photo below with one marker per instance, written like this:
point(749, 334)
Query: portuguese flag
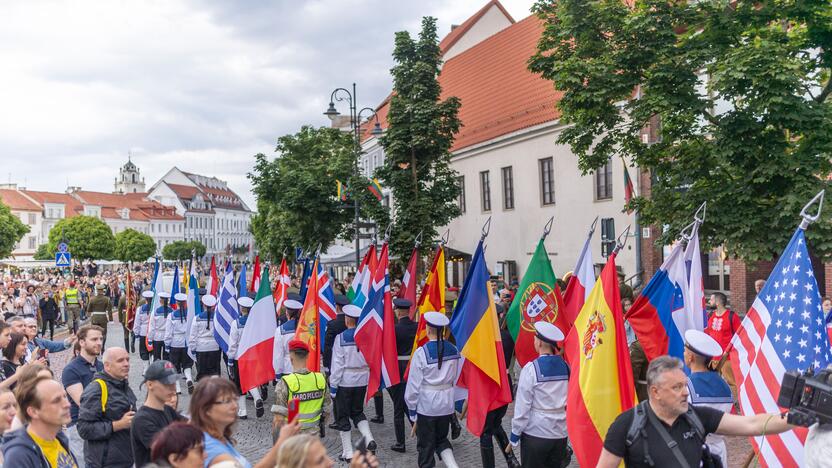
point(538, 298)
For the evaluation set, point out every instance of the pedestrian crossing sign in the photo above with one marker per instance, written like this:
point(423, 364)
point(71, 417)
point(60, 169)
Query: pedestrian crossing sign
point(62, 259)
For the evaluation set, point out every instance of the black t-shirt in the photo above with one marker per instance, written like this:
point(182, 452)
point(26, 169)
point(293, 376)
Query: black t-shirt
point(146, 424)
point(681, 432)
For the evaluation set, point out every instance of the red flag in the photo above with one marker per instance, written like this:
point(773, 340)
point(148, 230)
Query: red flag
point(579, 286)
point(213, 280)
point(284, 281)
point(255, 277)
point(409, 282)
point(309, 324)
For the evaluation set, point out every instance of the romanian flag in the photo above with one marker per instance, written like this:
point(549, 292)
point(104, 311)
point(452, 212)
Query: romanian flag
point(375, 188)
point(477, 333)
point(309, 324)
point(601, 381)
point(431, 300)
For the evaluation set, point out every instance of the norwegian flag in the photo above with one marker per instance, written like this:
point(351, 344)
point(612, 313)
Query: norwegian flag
point(284, 281)
point(784, 330)
point(377, 321)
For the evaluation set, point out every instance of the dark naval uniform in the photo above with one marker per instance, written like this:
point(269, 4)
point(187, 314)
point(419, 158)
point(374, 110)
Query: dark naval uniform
point(405, 335)
point(100, 310)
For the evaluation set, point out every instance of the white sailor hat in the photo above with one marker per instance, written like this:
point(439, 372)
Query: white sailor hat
point(352, 310)
point(548, 332)
point(436, 319)
point(292, 304)
point(702, 344)
point(164, 295)
point(181, 297)
point(245, 302)
point(209, 300)
point(147, 294)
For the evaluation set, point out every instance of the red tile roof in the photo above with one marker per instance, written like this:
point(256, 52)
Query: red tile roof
point(72, 207)
point(141, 208)
point(499, 94)
point(219, 197)
point(184, 191)
point(459, 31)
point(17, 201)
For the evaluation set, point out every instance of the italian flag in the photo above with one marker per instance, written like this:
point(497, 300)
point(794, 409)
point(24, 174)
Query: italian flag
point(254, 355)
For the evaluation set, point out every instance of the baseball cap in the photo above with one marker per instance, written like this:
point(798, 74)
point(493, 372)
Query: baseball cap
point(161, 371)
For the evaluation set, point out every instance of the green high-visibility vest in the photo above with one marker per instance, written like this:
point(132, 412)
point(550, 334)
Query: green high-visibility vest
point(309, 389)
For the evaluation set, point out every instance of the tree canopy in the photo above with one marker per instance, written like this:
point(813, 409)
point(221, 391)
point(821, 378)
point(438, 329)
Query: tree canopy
point(736, 93)
point(11, 231)
point(134, 246)
point(86, 236)
point(182, 250)
point(418, 140)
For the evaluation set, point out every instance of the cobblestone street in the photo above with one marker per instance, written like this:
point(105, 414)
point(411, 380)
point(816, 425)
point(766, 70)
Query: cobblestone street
point(253, 435)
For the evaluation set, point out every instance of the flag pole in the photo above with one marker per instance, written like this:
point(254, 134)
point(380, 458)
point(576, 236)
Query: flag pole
point(621, 240)
point(807, 218)
point(486, 228)
point(548, 228)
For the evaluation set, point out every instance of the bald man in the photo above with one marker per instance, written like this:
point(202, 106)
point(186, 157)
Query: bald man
point(107, 433)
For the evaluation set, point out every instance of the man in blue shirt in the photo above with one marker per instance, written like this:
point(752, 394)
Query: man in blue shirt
point(78, 373)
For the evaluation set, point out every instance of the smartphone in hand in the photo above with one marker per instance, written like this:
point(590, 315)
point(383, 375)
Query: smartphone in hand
point(293, 406)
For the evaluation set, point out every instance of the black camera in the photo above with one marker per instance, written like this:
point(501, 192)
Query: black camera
point(808, 396)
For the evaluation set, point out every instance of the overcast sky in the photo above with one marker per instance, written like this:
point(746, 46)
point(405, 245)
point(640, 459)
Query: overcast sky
point(202, 85)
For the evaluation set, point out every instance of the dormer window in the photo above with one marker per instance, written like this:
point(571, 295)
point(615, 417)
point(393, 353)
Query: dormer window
point(125, 213)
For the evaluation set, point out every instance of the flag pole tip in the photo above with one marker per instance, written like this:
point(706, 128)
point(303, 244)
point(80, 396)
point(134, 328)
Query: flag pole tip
point(807, 218)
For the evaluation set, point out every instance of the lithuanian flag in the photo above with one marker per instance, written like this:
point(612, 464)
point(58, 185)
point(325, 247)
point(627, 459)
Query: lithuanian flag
point(601, 381)
point(375, 188)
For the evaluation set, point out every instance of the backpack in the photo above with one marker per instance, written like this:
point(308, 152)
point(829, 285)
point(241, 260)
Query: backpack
point(638, 429)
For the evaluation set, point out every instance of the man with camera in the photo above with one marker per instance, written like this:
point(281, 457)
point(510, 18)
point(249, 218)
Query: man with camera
point(666, 430)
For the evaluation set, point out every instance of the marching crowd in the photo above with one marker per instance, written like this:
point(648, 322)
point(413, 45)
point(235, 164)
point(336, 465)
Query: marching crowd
point(89, 414)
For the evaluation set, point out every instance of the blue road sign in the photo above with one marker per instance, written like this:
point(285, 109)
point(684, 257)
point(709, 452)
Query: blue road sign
point(62, 259)
point(62, 247)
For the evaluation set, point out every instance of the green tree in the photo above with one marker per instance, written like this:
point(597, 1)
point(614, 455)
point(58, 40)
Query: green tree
point(86, 236)
point(134, 246)
point(11, 230)
point(741, 91)
point(182, 250)
point(43, 253)
point(296, 192)
point(418, 140)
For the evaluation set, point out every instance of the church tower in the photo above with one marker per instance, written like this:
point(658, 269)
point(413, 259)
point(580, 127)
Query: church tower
point(129, 180)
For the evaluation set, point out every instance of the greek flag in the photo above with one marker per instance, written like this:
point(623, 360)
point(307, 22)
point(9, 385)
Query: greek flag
point(227, 311)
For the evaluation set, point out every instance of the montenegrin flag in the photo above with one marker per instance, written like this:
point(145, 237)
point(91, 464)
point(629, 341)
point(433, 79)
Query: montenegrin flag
point(254, 354)
point(431, 300)
point(476, 330)
point(537, 299)
point(309, 325)
point(601, 380)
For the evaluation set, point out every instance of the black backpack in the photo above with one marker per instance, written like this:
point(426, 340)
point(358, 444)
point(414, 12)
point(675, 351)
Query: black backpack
point(638, 429)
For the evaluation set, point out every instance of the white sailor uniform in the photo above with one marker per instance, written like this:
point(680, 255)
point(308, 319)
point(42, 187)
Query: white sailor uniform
point(176, 341)
point(348, 386)
point(710, 389)
point(158, 328)
point(202, 342)
point(282, 336)
point(140, 329)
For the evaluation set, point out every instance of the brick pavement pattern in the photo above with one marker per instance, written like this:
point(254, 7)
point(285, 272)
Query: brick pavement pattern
point(253, 435)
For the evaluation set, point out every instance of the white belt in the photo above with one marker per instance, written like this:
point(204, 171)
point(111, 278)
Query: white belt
point(357, 368)
point(404, 358)
point(437, 387)
point(99, 313)
point(547, 410)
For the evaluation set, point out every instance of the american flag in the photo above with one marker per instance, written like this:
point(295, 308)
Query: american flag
point(784, 330)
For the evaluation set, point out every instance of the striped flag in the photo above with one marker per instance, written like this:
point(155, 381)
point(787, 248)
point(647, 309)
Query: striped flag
point(227, 311)
point(254, 355)
point(326, 300)
point(156, 287)
point(375, 333)
point(409, 281)
point(783, 330)
point(194, 304)
point(431, 300)
point(580, 284)
point(364, 281)
point(355, 287)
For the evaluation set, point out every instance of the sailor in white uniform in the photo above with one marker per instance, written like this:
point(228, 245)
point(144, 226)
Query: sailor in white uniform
point(176, 341)
point(282, 336)
point(429, 394)
point(140, 328)
point(539, 420)
point(158, 326)
point(202, 342)
point(234, 336)
point(348, 384)
point(705, 387)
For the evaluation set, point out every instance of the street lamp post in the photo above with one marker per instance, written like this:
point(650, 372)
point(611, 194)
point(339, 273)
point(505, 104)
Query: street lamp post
point(341, 94)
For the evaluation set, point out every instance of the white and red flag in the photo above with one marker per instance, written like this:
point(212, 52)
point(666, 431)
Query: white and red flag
point(254, 353)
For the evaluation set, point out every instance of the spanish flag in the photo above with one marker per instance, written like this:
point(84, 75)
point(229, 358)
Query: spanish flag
point(477, 333)
point(431, 300)
point(601, 380)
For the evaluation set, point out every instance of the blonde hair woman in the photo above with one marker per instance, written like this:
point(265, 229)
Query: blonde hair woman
point(8, 411)
point(306, 451)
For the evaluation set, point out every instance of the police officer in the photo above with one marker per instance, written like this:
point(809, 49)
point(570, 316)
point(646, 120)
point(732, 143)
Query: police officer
point(245, 304)
point(283, 335)
point(100, 309)
point(348, 385)
point(202, 342)
point(540, 403)
point(333, 329)
point(308, 387)
point(707, 388)
point(158, 325)
point(176, 341)
point(429, 393)
point(140, 324)
point(73, 305)
point(405, 336)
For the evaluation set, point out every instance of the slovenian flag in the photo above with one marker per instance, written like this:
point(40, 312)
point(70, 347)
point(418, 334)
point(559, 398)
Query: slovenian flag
point(254, 354)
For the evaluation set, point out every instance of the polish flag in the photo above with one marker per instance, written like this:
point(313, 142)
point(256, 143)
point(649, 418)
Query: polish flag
point(254, 354)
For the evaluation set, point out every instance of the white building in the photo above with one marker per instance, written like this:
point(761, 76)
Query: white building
point(29, 213)
point(510, 167)
point(213, 213)
point(129, 179)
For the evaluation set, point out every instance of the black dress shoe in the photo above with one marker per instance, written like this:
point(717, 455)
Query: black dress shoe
point(258, 408)
point(333, 426)
point(378, 420)
point(372, 446)
point(456, 428)
point(190, 387)
point(344, 459)
point(398, 448)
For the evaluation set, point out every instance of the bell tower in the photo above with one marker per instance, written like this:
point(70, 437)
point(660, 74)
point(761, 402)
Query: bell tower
point(129, 179)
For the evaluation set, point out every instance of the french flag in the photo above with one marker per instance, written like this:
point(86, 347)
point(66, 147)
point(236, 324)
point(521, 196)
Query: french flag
point(375, 333)
point(663, 302)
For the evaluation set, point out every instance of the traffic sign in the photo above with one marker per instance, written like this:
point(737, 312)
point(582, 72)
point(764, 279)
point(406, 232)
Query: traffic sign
point(62, 259)
point(62, 247)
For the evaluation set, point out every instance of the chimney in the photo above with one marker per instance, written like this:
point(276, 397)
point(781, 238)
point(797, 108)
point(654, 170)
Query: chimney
point(454, 26)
